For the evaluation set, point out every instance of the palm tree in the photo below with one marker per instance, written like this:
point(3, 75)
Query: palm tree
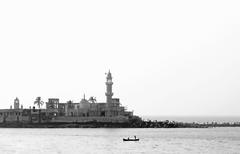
point(92, 99)
point(39, 102)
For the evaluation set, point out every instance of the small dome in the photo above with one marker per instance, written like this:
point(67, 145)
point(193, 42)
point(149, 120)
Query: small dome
point(84, 101)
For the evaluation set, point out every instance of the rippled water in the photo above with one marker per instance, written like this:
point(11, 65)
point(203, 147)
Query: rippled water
point(61, 141)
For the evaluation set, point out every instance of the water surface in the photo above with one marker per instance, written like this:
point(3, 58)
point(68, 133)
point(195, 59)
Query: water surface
point(95, 140)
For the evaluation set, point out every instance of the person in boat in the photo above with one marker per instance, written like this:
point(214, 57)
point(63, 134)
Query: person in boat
point(135, 137)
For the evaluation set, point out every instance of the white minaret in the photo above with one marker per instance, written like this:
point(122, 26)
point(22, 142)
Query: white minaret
point(109, 84)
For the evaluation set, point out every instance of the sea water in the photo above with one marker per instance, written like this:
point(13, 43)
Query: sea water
point(107, 140)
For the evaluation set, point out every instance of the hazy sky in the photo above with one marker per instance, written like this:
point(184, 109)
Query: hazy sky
point(166, 57)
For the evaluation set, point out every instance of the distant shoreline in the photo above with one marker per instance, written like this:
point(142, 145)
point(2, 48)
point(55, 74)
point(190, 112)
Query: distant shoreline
point(196, 119)
point(135, 123)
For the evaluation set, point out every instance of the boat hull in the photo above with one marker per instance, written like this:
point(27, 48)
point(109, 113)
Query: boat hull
point(130, 139)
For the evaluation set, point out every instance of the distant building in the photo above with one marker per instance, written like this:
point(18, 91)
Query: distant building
point(16, 103)
point(83, 111)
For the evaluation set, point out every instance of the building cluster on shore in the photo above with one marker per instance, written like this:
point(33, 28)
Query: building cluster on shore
point(87, 110)
point(86, 113)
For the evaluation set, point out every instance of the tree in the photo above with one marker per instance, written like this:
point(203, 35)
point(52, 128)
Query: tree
point(39, 102)
point(92, 99)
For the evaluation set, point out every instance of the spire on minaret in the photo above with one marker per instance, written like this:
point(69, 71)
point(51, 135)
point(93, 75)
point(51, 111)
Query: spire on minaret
point(109, 75)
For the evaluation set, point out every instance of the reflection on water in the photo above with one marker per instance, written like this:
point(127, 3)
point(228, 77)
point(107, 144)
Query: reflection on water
point(61, 141)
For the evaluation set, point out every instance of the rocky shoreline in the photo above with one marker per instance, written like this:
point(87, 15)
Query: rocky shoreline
point(133, 123)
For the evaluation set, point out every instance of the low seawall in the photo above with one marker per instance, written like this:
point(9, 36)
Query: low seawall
point(65, 125)
point(108, 122)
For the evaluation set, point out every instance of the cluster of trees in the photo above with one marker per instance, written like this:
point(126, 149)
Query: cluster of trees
point(40, 103)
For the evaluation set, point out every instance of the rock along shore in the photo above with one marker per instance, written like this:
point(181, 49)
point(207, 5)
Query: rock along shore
point(133, 123)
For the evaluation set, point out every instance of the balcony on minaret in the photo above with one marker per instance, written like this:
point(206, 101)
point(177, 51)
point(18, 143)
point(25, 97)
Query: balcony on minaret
point(109, 94)
point(109, 82)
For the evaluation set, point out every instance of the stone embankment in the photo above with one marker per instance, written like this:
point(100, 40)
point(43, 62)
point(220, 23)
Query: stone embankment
point(135, 122)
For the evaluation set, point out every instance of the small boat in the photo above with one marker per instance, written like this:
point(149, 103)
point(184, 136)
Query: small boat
point(129, 139)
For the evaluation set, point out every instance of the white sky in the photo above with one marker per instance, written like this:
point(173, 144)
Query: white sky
point(166, 57)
